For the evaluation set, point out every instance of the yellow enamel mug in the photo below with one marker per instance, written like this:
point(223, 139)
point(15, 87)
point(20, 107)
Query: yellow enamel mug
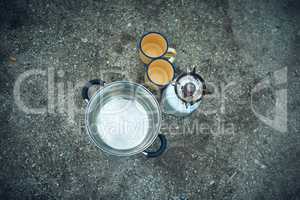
point(154, 45)
point(159, 73)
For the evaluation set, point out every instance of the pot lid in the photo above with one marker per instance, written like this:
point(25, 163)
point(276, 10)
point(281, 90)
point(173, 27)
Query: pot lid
point(189, 87)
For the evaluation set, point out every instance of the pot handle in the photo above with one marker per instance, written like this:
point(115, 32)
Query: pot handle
point(85, 89)
point(162, 148)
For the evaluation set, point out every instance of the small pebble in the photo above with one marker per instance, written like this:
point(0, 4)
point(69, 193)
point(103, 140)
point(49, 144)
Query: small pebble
point(85, 40)
point(194, 155)
point(259, 163)
point(12, 59)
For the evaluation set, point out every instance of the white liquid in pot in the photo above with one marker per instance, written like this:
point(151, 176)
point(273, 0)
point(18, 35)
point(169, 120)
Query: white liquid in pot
point(122, 123)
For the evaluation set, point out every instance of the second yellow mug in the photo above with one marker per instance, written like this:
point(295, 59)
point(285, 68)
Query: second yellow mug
point(159, 73)
point(154, 45)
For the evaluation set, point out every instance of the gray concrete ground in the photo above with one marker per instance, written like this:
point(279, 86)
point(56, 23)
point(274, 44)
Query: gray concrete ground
point(223, 151)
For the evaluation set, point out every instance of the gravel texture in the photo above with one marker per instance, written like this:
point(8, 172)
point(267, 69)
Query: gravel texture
point(222, 151)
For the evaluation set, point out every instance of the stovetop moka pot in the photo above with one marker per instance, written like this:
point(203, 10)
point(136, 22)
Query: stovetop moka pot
point(183, 96)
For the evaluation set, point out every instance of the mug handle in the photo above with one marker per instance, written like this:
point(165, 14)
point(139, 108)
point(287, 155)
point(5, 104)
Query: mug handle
point(162, 148)
point(86, 87)
point(170, 55)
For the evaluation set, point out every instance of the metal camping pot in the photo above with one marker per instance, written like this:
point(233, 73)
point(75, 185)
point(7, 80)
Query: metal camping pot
point(183, 96)
point(123, 118)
